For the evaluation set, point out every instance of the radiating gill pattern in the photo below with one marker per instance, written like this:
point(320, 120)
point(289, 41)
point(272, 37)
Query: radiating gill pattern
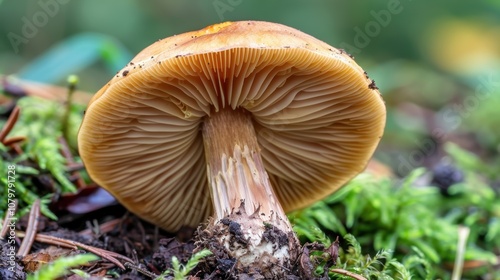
point(315, 117)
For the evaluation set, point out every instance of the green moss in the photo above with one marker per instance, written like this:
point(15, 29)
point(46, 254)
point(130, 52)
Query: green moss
point(409, 222)
point(40, 121)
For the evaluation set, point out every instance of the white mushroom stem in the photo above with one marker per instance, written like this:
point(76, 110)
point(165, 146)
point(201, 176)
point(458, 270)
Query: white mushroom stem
point(235, 168)
point(239, 184)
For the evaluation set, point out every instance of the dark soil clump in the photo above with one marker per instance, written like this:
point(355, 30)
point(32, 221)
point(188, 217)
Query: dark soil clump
point(10, 267)
point(171, 247)
point(222, 264)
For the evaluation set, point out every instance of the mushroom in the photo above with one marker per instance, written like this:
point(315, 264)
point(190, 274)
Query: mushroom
point(243, 121)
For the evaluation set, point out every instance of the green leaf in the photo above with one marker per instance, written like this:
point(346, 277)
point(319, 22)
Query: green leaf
point(180, 271)
point(327, 218)
point(26, 170)
point(493, 230)
point(427, 250)
point(195, 259)
point(412, 177)
point(48, 156)
point(400, 270)
point(415, 261)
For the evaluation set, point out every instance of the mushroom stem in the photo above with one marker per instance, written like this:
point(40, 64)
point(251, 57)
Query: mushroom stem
point(250, 224)
point(235, 169)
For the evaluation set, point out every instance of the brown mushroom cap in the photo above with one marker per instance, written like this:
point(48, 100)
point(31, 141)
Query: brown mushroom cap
point(317, 117)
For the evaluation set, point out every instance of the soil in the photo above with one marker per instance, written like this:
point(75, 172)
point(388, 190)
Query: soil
point(150, 248)
point(10, 267)
point(114, 229)
point(131, 237)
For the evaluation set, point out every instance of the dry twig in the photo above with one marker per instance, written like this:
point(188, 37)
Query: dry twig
point(11, 121)
point(30, 229)
point(348, 273)
point(103, 228)
point(13, 140)
point(108, 255)
point(49, 92)
point(9, 214)
point(141, 270)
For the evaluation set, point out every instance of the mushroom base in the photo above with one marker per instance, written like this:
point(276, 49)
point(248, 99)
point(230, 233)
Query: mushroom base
point(249, 244)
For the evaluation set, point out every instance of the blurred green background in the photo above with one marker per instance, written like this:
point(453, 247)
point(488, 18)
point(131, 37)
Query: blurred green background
point(436, 63)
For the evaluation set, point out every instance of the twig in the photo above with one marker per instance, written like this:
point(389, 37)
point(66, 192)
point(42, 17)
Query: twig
point(16, 148)
point(110, 256)
point(141, 270)
point(11, 121)
point(103, 228)
point(74, 166)
point(13, 140)
point(49, 92)
point(30, 229)
point(47, 239)
point(9, 214)
point(463, 234)
point(348, 273)
point(101, 268)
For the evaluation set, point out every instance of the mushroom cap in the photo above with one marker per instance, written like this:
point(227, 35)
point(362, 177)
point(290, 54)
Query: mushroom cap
point(317, 116)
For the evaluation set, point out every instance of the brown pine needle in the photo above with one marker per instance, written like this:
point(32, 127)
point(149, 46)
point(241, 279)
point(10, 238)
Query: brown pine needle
point(12, 140)
point(49, 92)
point(103, 254)
point(103, 228)
point(71, 167)
point(11, 121)
point(47, 239)
point(9, 215)
point(108, 255)
point(30, 229)
point(141, 270)
point(348, 273)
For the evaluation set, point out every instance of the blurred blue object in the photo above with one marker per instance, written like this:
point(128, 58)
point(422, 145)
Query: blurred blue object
point(75, 54)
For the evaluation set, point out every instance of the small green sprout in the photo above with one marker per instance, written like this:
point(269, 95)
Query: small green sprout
point(180, 271)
